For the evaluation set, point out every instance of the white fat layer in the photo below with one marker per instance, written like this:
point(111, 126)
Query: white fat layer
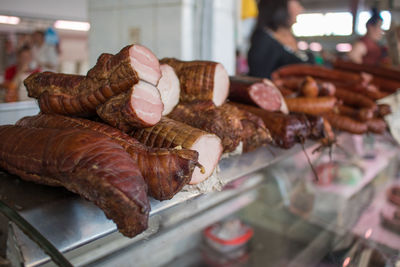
point(221, 85)
point(145, 72)
point(149, 89)
point(147, 114)
point(169, 88)
point(145, 52)
point(207, 158)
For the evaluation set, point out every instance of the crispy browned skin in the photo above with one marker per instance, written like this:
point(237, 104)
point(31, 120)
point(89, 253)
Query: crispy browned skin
point(196, 78)
point(84, 162)
point(80, 95)
point(119, 113)
point(376, 125)
point(345, 123)
point(354, 99)
point(362, 114)
point(168, 133)
point(287, 130)
point(254, 133)
point(165, 171)
point(217, 120)
point(311, 105)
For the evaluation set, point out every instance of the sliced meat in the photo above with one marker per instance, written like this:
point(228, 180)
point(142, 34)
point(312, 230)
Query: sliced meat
point(169, 88)
point(259, 92)
point(207, 117)
point(145, 63)
point(165, 170)
point(201, 80)
point(139, 107)
point(80, 95)
point(169, 134)
point(84, 162)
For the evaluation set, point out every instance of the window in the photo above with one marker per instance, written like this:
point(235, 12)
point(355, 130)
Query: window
point(364, 16)
point(319, 24)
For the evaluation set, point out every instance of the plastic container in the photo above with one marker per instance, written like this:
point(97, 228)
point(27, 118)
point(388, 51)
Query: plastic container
point(228, 236)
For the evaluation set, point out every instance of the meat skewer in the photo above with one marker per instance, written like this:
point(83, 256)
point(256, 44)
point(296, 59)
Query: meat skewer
point(169, 88)
point(201, 80)
point(80, 95)
point(169, 134)
point(84, 162)
point(253, 91)
point(217, 120)
point(171, 169)
point(140, 107)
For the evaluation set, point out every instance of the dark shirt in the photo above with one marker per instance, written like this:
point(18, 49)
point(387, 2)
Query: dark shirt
point(266, 55)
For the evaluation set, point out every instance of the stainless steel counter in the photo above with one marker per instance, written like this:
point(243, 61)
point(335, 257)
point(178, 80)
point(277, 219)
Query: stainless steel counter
point(69, 222)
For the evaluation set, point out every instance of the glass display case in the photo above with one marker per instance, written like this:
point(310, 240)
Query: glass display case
point(334, 212)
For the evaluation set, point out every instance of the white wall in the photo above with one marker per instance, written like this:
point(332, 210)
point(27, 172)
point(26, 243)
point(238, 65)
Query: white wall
point(49, 9)
point(186, 29)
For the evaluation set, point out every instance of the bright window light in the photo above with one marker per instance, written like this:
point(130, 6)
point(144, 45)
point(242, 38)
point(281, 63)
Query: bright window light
point(339, 23)
point(311, 24)
point(387, 20)
point(319, 24)
point(364, 16)
point(72, 25)
point(9, 20)
point(343, 47)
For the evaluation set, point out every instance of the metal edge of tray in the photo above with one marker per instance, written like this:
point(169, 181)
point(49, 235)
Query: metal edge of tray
point(21, 105)
point(71, 222)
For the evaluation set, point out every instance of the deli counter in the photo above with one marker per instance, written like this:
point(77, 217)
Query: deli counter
point(295, 219)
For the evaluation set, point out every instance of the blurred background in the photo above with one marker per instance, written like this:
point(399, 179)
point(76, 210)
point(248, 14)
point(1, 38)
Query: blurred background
point(76, 32)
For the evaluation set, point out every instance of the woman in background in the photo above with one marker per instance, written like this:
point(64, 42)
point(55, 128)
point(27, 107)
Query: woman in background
point(15, 75)
point(273, 44)
point(367, 49)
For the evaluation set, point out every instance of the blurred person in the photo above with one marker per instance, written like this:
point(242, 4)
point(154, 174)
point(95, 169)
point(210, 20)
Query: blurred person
point(16, 74)
point(45, 55)
point(367, 49)
point(273, 44)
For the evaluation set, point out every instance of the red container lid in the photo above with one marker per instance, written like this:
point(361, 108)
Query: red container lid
point(232, 242)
